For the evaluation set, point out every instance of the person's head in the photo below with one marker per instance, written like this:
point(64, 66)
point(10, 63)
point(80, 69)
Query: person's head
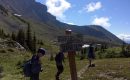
point(41, 52)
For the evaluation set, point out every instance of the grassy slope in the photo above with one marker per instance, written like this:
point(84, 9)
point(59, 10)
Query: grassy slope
point(110, 68)
point(9, 61)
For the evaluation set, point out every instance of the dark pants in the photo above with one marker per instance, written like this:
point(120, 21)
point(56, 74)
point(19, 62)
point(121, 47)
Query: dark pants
point(60, 70)
point(35, 76)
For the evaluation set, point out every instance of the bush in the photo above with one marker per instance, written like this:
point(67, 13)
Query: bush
point(10, 50)
point(2, 51)
point(126, 54)
point(110, 53)
point(99, 54)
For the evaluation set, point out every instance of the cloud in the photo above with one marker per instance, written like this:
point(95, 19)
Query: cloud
point(102, 21)
point(126, 37)
point(58, 7)
point(91, 7)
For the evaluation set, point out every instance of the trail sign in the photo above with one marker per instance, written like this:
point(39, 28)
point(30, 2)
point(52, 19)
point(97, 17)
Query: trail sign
point(65, 39)
point(70, 47)
point(69, 43)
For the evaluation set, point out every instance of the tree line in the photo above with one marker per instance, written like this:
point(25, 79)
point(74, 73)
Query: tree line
point(27, 39)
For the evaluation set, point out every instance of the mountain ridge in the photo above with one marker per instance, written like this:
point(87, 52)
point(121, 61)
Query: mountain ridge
point(46, 24)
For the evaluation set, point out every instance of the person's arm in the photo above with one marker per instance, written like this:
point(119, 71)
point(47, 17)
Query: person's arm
point(63, 58)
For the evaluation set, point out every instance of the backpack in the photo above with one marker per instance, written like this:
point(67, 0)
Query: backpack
point(27, 68)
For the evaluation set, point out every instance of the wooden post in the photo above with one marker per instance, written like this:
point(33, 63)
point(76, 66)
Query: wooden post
point(72, 64)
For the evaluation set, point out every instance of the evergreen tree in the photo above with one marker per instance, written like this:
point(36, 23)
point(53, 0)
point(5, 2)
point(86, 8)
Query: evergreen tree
point(29, 37)
point(41, 42)
point(21, 37)
point(123, 48)
point(2, 33)
point(13, 36)
point(34, 43)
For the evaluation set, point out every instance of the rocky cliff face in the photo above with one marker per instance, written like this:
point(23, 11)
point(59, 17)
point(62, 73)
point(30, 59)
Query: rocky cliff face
point(28, 8)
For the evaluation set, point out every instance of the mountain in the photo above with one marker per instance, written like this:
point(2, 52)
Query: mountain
point(127, 42)
point(16, 14)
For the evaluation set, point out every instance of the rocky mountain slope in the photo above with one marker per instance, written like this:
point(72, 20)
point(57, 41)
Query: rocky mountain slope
point(45, 24)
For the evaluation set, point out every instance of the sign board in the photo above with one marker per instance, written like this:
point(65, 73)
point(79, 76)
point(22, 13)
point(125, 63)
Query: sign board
point(70, 47)
point(65, 39)
point(69, 39)
point(70, 43)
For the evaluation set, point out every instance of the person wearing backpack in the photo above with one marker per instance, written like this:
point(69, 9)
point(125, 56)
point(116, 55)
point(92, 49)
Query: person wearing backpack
point(36, 64)
point(91, 55)
point(59, 58)
point(32, 67)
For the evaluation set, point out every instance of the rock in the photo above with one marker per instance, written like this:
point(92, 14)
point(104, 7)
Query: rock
point(10, 43)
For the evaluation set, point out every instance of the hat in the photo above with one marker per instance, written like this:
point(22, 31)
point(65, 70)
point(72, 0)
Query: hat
point(41, 50)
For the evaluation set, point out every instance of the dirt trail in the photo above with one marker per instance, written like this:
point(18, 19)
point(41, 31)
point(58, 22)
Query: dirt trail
point(81, 72)
point(105, 75)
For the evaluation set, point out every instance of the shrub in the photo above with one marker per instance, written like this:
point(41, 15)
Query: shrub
point(99, 54)
point(2, 51)
point(10, 50)
point(109, 53)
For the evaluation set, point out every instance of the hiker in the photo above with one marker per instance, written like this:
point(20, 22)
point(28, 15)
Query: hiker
point(59, 58)
point(91, 55)
point(36, 64)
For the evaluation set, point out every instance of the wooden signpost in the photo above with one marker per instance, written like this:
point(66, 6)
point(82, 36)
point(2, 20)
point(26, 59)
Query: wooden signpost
point(70, 44)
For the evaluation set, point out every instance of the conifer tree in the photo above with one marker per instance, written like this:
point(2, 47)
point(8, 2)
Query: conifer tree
point(123, 48)
point(13, 36)
point(29, 37)
point(34, 43)
point(2, 33)
point(21, 37)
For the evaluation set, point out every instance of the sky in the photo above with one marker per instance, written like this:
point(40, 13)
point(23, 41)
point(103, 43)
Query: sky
point(113, 15)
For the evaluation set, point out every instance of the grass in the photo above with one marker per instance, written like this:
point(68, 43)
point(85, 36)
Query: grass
point(106, 69)
point(50, 69)
point(109, 69)
point(9, 61)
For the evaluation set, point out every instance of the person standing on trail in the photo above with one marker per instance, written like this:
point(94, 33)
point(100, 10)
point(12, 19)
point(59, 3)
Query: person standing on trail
point(59, 58)
point(91, 55)
point(36, 64)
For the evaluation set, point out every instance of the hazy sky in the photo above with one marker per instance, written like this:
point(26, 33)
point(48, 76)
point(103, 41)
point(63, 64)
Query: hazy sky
point(114, 15)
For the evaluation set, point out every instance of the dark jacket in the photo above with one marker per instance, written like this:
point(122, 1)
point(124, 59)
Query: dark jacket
point(91, 52)
point(59, 58)
point(36, 65)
